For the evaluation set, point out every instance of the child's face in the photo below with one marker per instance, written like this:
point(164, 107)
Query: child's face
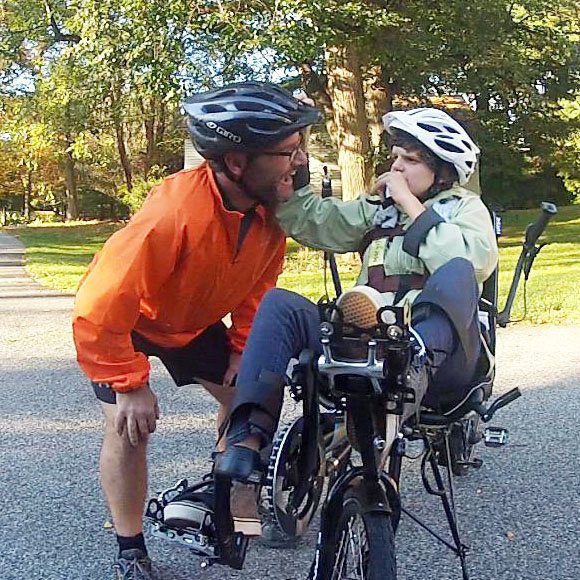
point(418, 175)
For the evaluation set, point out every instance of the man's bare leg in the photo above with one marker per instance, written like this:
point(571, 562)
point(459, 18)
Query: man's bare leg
point(244, 505)
point(123, 477)
point(223, 395)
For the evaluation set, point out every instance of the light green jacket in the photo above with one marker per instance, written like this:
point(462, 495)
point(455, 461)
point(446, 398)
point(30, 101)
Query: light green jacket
point(457, 224)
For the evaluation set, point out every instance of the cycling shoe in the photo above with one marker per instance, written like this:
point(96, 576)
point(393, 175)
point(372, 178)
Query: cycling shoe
point(239, 463)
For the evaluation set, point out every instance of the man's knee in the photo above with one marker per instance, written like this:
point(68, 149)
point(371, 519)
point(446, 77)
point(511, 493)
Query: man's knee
point(223, 395)
point(119, 441)
point(453, 289)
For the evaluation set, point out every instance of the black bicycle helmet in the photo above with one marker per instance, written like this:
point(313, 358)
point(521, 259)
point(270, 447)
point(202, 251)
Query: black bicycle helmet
point(247, 117)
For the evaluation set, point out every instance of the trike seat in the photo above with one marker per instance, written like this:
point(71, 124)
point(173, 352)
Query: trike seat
point(479, 392)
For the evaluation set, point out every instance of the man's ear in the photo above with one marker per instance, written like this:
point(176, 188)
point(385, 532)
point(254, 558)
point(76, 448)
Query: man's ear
point(236, 163)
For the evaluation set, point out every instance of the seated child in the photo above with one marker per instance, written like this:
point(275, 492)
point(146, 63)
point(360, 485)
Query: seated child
point(433, 248)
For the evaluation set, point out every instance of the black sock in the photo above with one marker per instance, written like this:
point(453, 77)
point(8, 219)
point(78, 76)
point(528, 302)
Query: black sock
point(131, 543)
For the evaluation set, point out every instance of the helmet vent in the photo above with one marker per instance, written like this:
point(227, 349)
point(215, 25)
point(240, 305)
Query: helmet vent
point(448, 146)
point(211, 108)
point(429, 128)
point(250, 106)
point(451, 129)
point(467, 144)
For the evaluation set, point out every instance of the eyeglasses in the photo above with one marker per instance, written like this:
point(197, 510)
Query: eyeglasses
point(290, 154)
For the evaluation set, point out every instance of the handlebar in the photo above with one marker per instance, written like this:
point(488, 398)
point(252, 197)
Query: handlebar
point(527, 256)
point(534, 231)
point(328, 256)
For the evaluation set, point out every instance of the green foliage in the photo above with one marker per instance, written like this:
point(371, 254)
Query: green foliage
point(12, 218)
point(59, 255)
point(135, 197)
point(93, 88)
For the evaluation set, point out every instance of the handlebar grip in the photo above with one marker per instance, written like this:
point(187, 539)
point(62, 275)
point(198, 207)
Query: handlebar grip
point(511, 396)
point(534, 231)
point(502, 401)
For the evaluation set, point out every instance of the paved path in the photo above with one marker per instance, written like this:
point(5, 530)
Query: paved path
point(53, 514)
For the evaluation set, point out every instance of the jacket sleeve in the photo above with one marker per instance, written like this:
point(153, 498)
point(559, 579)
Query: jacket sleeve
point(243, 315)
point(326, 223)
point(133, 264)
point(467, 233)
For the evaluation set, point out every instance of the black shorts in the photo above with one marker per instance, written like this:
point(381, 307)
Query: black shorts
point(205, 357)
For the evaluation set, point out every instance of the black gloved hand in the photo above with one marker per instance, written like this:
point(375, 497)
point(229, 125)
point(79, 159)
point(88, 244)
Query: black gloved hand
point(302, 177)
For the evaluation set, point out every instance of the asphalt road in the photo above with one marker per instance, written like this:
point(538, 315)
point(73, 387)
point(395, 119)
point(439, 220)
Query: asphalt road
point(519, 512)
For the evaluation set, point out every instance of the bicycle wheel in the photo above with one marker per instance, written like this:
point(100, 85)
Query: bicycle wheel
point(361, 548)
point(283, 478)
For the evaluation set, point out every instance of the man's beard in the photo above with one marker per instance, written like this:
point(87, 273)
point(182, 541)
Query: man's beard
point(267, 195)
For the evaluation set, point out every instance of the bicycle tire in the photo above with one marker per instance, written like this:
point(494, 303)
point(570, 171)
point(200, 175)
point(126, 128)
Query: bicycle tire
point(365, 536)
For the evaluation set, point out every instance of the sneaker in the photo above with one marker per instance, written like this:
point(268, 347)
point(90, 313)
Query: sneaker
point(274, 537)
point(244, 508)
point(133, 564)
point(191, 509)
point(359, 306)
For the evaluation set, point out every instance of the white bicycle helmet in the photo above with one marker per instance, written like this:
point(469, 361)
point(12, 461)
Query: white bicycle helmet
point(441, 134)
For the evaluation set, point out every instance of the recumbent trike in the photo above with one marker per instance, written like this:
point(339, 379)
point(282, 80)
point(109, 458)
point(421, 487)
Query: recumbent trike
point(351, 434)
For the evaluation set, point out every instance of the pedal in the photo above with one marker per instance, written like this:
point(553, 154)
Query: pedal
point(188, 523)
point(169, 494)
point(199, 543)
point(495, 436)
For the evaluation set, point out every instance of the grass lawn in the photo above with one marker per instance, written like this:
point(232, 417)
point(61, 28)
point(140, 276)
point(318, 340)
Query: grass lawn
point(57, 255)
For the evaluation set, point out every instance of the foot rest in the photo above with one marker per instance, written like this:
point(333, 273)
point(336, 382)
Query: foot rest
point(185, 515)
point(495, 436)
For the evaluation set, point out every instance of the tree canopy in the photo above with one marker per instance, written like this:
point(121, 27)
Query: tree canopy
point(90, 91)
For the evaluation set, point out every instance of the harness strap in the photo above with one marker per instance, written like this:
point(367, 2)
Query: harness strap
point(378, 234)
point(400, 284)
point(404, 282)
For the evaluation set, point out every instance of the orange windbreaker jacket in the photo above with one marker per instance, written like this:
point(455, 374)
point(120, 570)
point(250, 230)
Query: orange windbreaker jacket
point(169, 274)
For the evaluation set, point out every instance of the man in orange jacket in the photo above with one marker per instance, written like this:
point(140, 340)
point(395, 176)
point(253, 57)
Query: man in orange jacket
point(204, 245)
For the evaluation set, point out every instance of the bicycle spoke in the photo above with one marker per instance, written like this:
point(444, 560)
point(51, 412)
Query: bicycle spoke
point(351, 557)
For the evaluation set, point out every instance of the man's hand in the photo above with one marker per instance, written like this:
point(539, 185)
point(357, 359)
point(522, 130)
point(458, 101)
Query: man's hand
point(233, 369)
point(137, 414)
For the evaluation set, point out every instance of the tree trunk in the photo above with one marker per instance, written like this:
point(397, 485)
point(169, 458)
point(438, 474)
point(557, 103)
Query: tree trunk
point(154, 123)
point(317, 88)
point(377, 104)
point(70, 183)
point(346, 90)
point(150, 152)
point(482, 100)
point(27, 195)
point(161, 123)
point(126, 164)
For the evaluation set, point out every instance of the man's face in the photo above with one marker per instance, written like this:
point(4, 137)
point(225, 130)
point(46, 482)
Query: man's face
point(268, 175)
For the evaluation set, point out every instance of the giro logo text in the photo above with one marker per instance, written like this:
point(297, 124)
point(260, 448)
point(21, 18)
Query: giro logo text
point(223, 132)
